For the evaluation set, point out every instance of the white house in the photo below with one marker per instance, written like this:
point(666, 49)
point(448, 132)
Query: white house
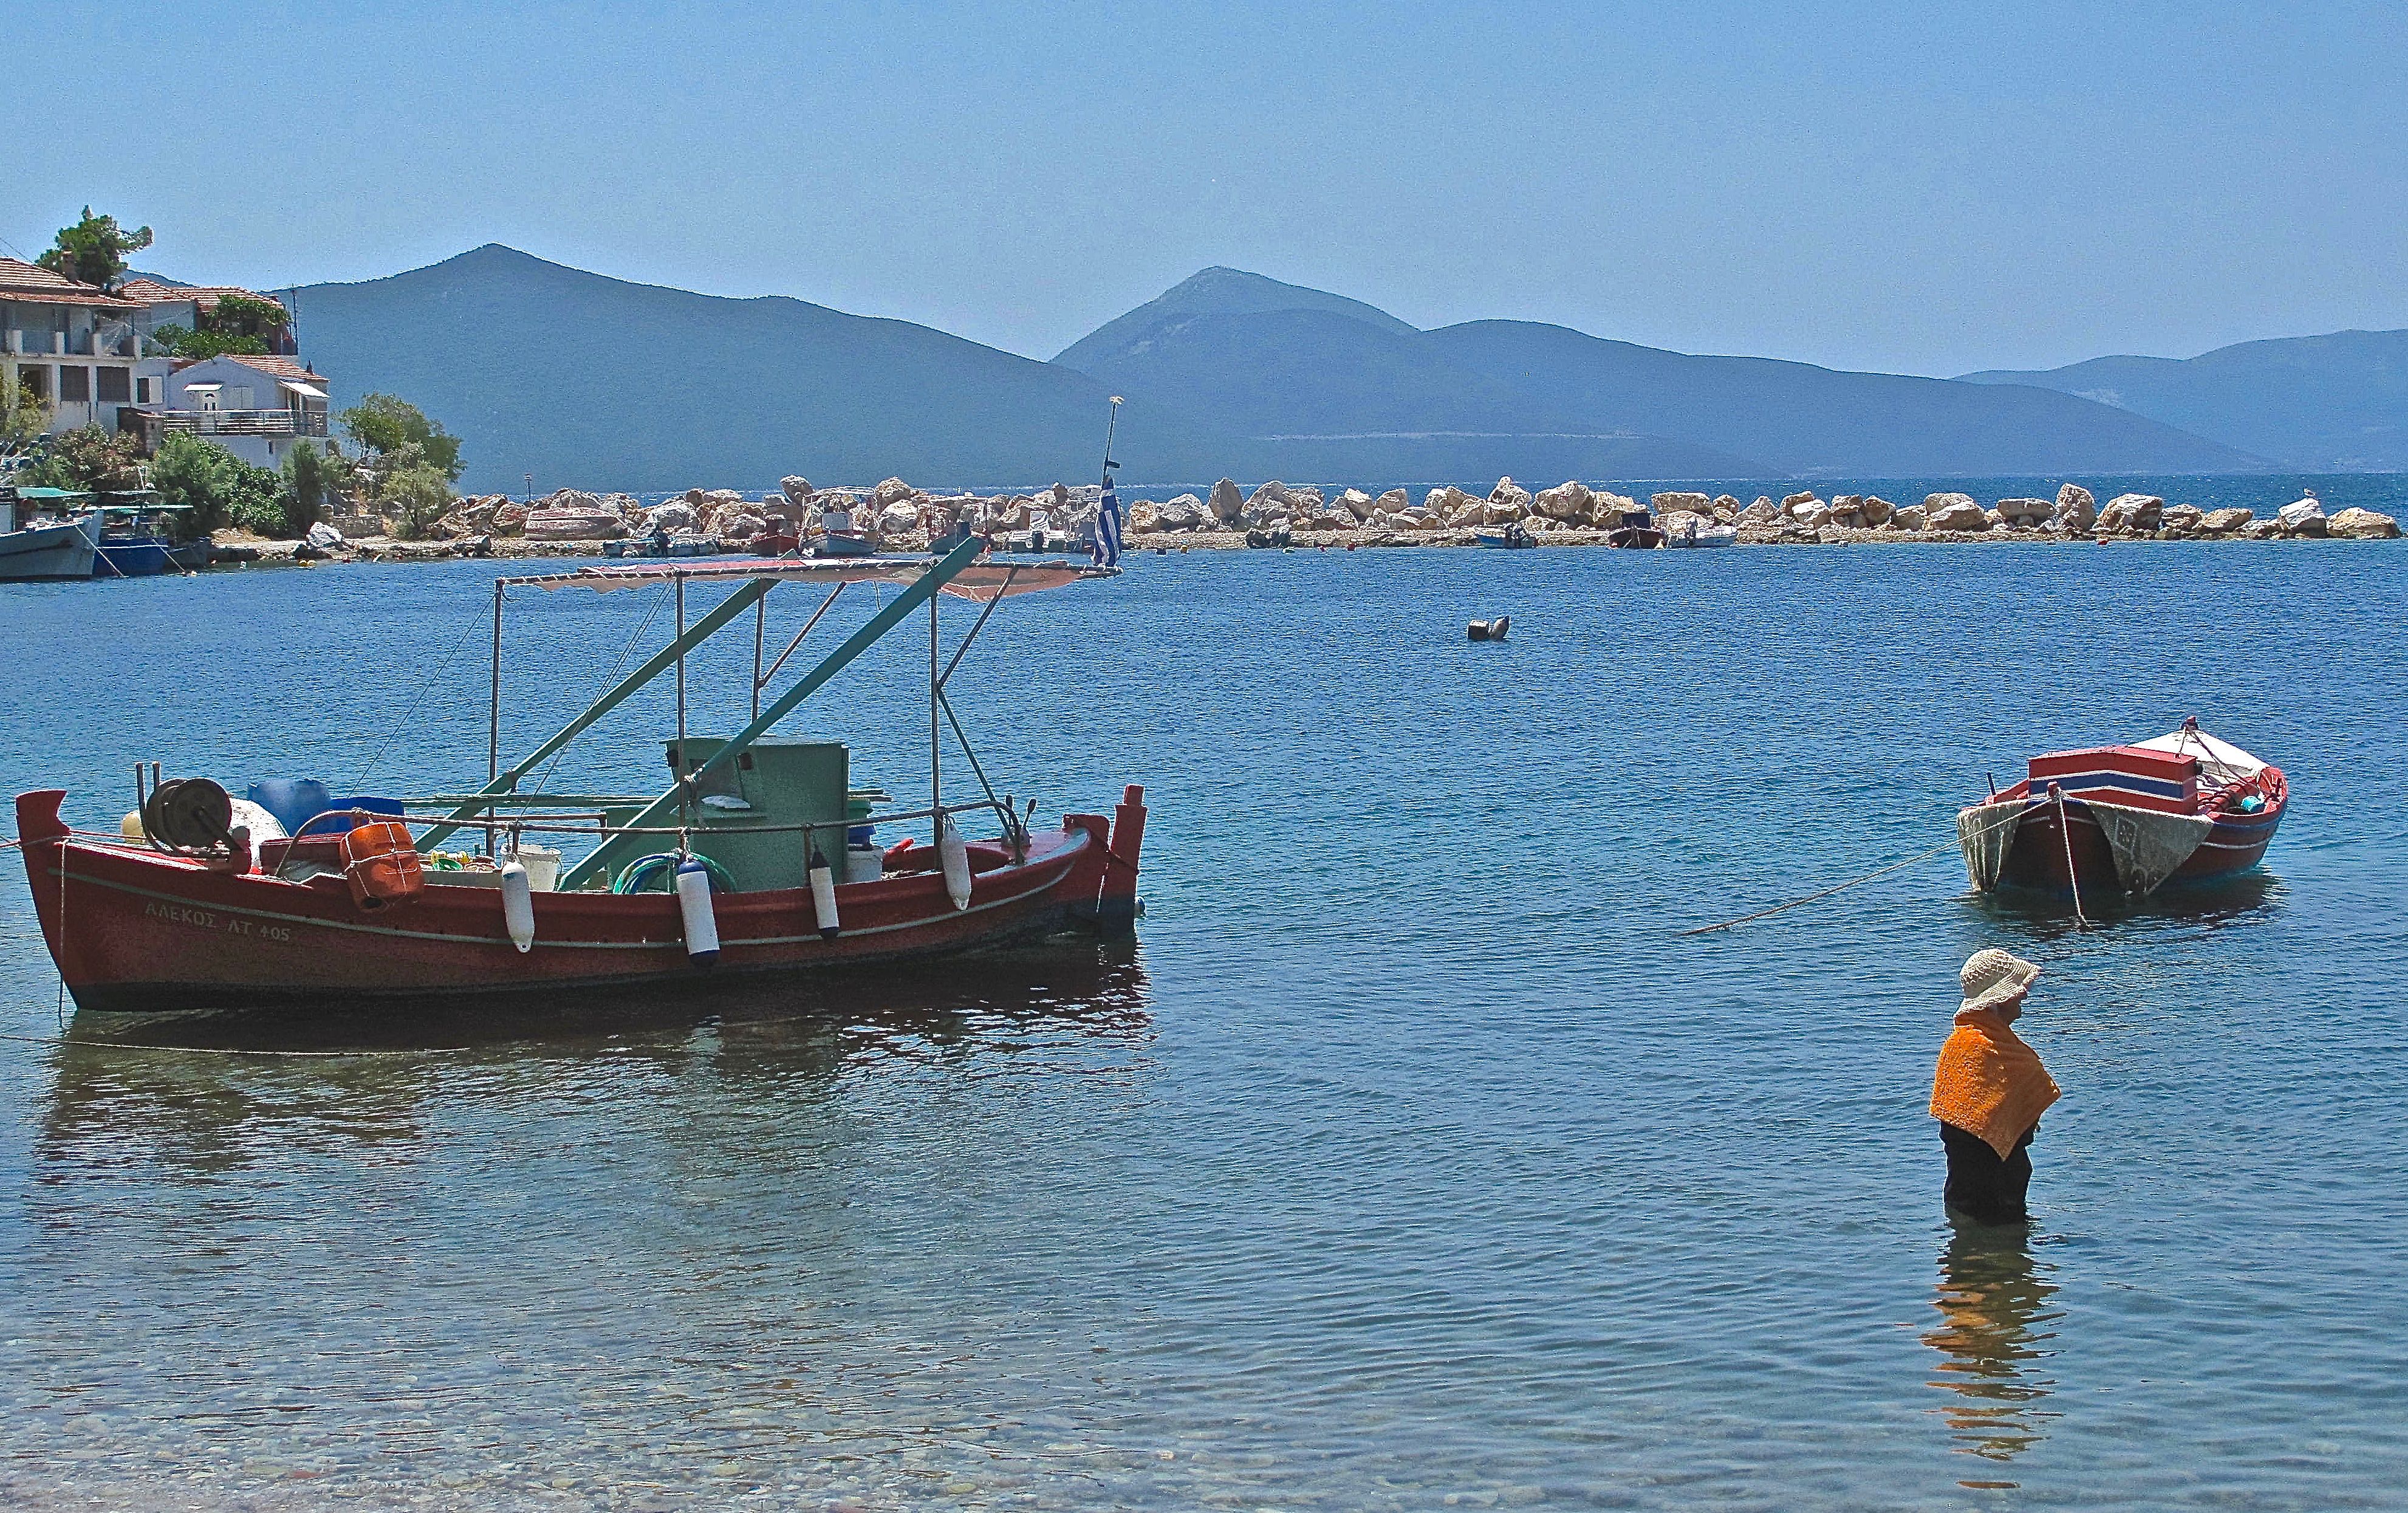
point(258, 408)
point(75, 345)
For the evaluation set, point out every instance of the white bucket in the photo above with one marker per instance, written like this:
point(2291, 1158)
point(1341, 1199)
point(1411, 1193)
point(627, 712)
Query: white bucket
point(864, 863)
point(542, 865)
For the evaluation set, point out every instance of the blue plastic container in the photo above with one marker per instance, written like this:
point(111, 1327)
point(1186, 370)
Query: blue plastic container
point(294, 800)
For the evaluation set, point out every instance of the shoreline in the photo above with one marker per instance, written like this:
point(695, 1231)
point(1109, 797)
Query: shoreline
point(238, 549)
point(248, 549)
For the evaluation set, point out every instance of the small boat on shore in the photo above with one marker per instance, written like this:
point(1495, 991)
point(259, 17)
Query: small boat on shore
point(1637, 531)
point(1692, 534)
point(2182, 808)
point(759, 861)
point(1513, 538)
point(40, 538)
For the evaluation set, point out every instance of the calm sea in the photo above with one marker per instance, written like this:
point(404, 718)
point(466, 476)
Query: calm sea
point(1410, 1159)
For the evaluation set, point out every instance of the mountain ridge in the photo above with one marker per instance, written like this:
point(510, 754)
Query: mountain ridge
point(2333, 401)
point(582, 378)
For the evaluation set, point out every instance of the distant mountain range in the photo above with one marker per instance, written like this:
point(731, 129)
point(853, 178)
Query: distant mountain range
point(2335, 403)
point(593, 381)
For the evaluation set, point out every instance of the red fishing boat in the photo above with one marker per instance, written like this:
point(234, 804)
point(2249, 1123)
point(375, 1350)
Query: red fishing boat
point(759, 858)
point(2106, 820)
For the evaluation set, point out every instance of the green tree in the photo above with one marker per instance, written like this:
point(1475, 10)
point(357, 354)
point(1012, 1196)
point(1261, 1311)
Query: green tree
point(88, 458)
point(403, 438)
point(23, 415)
point(176, 341)
point(312, 481)
point(92, 251)
point(239, 315)
point(220, 488)
point(418, 496)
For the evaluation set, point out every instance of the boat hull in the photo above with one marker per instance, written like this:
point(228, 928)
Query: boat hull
point(2235, 844)
point(132, 930)
point(144, 557)
point(42, 553)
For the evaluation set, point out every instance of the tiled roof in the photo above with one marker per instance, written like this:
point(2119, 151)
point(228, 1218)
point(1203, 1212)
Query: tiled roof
point(282, 367)
point(204, 296)
point(31, 284)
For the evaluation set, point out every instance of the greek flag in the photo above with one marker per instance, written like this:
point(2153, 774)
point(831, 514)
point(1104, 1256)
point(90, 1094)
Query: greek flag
point(1108, 528)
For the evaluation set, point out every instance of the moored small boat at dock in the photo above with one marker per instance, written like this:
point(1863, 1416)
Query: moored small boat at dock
point(40, 539)
point(2105, 821)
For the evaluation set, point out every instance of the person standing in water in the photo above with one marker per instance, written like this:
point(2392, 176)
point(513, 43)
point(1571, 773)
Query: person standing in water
point(1989, 1091)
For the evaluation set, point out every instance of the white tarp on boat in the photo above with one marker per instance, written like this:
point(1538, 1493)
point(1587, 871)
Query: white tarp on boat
point(2147, 845)
point(2219, 761)
point(1988, 833)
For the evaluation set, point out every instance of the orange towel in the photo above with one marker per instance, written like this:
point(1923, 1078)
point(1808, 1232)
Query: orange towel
point(1990, 1083)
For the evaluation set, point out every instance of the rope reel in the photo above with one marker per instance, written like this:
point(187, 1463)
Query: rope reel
point(187, 816)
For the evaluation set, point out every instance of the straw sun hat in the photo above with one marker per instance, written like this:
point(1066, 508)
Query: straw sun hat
point(1992, 977)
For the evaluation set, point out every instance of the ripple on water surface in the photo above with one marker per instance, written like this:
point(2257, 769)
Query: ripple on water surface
point(1409, 1159)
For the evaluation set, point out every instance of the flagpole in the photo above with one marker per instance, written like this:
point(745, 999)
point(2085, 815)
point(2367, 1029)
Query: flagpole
point(1110, 427)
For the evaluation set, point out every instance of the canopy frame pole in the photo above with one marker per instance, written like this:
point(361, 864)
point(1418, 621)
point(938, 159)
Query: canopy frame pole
point(935, 740)
point(685, 804)
point(963, 650)
point(1011, 824)
point(763, 677)
point(942, 572)
point(494, 708)
point(760, 627)
point(658, 663)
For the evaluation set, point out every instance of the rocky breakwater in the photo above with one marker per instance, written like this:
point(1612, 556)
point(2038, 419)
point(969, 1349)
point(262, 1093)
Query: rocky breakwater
point(2075, 515)
point(1279, 514)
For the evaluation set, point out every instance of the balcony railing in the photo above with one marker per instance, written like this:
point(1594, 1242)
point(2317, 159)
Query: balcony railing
point(150, 425)
point(116, 340)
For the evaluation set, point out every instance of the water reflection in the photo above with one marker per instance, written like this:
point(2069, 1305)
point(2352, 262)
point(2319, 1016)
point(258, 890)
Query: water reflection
point(1994, 1341)
point(206, 1095)
point(2252, 897)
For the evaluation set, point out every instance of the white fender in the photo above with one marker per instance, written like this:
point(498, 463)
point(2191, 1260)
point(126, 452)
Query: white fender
point(518, 904)
point(693, 909)
point(955, 856)
point(824, 895)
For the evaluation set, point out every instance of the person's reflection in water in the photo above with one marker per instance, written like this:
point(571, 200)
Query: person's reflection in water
point(1994, 1335)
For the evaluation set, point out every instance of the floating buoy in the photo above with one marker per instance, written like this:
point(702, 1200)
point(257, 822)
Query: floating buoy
point(518, 904)
point(1490, 629)
point(956, 858)
point(824, 895)
point(693, 909)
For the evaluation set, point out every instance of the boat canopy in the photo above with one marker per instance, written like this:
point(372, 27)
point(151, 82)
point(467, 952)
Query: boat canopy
point(2219, 761)
point(983, 582)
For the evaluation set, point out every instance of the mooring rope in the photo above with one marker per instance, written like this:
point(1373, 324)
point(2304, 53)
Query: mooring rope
point(424, 684)
point(1842, 887)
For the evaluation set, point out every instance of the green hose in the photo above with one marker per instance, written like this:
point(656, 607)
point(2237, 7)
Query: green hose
point(632, 878)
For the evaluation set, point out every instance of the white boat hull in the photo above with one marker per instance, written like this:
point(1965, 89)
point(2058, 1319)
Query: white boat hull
point(43, 551)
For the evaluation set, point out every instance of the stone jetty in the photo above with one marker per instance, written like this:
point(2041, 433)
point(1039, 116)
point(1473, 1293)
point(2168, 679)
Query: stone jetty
point(900, 517)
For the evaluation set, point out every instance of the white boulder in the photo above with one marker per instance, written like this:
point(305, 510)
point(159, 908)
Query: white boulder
point(1953, 511)
point(2076, 508)
point(2132, 513)
point(2363, 525)
point(1570, 501)
point(2302, 518)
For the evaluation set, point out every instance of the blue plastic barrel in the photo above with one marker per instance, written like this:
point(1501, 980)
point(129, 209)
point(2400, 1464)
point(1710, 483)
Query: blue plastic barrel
point(294, 800)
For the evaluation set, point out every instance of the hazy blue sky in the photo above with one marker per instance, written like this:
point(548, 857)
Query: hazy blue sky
point(1921, 188)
